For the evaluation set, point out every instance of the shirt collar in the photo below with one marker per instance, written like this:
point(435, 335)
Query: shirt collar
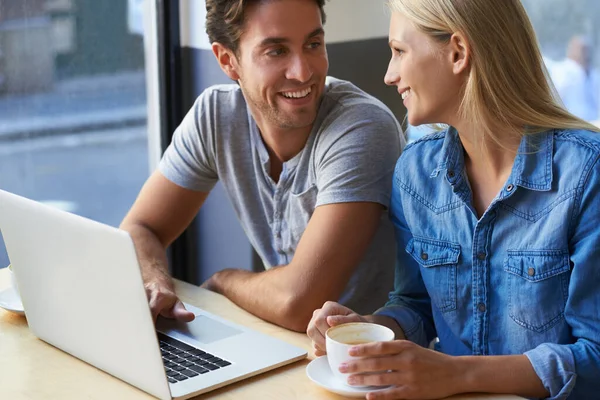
point(533, 164)
point(532, 168)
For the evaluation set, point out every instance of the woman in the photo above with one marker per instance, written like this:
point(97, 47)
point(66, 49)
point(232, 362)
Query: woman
point(497, 218)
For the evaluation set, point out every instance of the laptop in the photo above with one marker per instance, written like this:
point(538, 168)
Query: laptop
point(82, 291)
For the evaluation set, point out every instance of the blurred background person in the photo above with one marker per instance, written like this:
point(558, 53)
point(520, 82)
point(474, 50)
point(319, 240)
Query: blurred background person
point(577, 82)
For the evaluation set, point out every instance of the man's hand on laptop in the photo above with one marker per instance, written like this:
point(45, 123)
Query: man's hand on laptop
point(163, 300)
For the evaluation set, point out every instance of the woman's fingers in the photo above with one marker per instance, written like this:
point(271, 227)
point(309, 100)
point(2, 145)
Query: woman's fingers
point(381, 348)
point(376, 379)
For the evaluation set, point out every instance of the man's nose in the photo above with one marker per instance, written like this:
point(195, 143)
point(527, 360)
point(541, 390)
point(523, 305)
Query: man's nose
point(299, 69)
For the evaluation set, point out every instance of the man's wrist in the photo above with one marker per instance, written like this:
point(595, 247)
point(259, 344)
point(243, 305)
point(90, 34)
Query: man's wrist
point(216, 282)
point(155, 272)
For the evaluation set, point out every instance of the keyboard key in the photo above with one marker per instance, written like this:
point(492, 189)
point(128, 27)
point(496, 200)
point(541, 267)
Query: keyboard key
point(187, 355)
point(171, 380)
point(170, 364)
point(180, 377)
point(172, 373)
point(223, 363)
point(178, 368)
point(194, 359)
point(201, 362)
point(189, 373)
point(178, 360)
point(212, 367)
point(197, 352)
point(170, 356)
point(184, 346)
point(178, 352)
point(165, 339)
point(213, 360)
point(187, 364)
point(199, 369)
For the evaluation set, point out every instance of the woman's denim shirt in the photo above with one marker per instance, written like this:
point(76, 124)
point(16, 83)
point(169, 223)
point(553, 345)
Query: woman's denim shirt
point(522, 279)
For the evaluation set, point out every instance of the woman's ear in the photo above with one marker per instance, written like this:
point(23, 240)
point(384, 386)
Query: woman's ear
point(460, 53)
point(227, 60)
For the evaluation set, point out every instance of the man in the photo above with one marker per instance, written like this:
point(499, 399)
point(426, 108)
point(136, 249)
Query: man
point(306, 161)
point(576, 81)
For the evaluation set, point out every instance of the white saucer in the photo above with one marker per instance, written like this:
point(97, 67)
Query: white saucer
point(10, 301)
point(319, 372)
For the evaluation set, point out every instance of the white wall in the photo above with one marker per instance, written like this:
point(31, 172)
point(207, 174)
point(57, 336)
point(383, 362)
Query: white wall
point(347, 20)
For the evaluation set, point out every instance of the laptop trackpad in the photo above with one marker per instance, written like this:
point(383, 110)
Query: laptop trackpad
point(203, 329)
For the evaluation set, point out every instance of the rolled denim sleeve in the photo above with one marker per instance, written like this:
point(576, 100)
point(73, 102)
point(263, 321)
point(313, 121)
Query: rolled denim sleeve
point(573, 370)
point(409, 303)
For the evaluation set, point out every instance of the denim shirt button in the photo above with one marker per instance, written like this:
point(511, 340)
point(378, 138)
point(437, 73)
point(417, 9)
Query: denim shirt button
point(510, 187)
point(481, 307)
point(481, 256)
point(424, 256)
point(451, 174)
point(531, 271)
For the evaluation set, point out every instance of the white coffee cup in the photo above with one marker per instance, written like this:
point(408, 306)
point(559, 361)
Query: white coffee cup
point(13, 279)
point(339, 339)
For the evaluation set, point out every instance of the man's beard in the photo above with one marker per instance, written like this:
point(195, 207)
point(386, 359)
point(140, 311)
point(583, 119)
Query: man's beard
point(301, 118)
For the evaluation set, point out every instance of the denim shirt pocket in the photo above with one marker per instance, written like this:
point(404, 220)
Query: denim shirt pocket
point(538, 285)
point(438, 260)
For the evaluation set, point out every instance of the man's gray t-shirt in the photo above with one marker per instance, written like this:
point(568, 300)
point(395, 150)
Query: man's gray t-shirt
point(349, 157)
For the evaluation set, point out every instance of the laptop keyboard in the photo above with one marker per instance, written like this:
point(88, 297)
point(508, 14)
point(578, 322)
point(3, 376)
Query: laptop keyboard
point(183, 361)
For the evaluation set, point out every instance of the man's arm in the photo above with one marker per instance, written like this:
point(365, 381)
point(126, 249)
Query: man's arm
point(159, 215)
point(334, 242)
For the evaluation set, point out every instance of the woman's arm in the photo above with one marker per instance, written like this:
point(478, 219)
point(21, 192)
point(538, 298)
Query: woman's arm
point(409, 303)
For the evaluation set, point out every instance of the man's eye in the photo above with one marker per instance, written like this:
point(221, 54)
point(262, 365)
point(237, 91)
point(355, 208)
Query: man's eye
point(398, 51)
point(276, 52)
point(314, 45)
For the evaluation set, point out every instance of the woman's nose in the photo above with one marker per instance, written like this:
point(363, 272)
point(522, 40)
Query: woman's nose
point(391, 77)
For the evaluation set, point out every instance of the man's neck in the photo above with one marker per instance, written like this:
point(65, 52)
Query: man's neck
point(284, 144)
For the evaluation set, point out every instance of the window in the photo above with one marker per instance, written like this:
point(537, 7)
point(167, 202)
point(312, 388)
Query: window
point(73, 129)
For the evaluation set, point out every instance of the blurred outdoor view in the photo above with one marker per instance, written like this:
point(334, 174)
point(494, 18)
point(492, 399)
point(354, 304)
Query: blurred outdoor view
point(73, 105)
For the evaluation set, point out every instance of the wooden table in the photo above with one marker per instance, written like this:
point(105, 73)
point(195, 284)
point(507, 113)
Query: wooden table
point(33, 370)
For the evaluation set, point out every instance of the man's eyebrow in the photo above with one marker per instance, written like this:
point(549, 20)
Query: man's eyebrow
point(278, 40)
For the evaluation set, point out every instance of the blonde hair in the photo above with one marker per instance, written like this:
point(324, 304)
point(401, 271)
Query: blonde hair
point(508, 82)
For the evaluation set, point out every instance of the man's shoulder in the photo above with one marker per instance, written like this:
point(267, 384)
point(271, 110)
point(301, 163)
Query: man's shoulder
point(346, 95)
point(346, 106)
point(223, 97)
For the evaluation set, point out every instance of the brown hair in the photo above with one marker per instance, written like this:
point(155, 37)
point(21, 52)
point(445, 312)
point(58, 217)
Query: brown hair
point(225, 20)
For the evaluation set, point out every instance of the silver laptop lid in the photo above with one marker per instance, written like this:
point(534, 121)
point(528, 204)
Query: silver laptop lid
point(97, 309)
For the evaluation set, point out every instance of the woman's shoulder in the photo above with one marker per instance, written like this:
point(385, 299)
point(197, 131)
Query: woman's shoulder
point(421, 156)
point(578, 139)
point(431, 141)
